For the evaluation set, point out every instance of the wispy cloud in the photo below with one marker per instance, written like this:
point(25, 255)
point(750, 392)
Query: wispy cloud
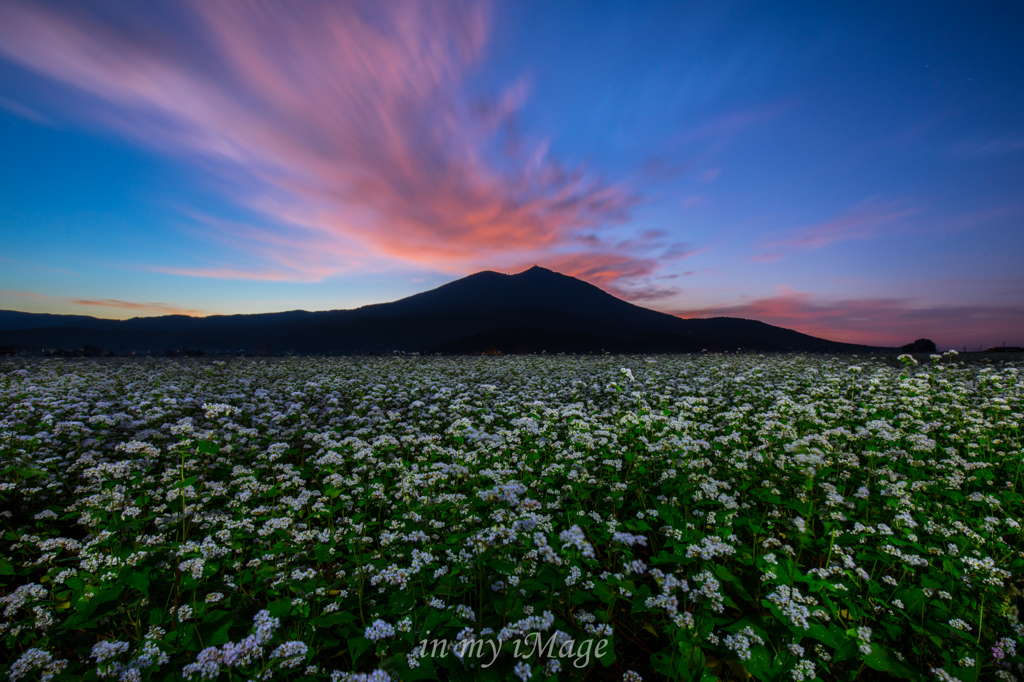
point(864, 221)
point(154, 308)
point(632, 278)
point(727, 125)
point(28, 294)
point(161, 308)
point(346, 123)
point(879, 321)
point(228, 273)
point(982, 147)
point(627, 268)
point(23, 111)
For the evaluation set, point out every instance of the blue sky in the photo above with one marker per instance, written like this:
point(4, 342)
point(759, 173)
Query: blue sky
point(853, 172)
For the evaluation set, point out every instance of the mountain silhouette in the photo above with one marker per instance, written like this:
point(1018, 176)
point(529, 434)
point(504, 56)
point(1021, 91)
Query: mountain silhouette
point(530, 312)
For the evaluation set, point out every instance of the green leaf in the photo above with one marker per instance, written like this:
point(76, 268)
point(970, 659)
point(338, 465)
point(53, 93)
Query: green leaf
point(323, 553)
point(279, 608)
point(97, 605)
point(760, 661)
point(332, 619)
point(435, 619)
point(706, 626)
point(6, 568)
point(820, 633)
point(503, 566)
point(401, 602)
point(726, 577)
point(135, 577)
point(882, 660)
point(207, 448)
point(693, 664)
point(845, 652)
point(640, 599)
point(662, 661)
point(215, 627)
point(357, 645)
point(878, 659)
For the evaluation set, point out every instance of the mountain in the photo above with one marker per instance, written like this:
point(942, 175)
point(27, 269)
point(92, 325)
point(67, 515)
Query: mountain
point(533, 311)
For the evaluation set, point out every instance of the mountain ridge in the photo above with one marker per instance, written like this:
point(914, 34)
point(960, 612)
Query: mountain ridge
point(483, 312)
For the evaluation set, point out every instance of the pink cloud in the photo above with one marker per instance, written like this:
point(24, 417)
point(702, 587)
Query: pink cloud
point(158, 308)
point(880, 321)
point(28, 294)
point(602, 269)
point(152, 307)
point(617, 272)
point(626, 268)
point(348, 124)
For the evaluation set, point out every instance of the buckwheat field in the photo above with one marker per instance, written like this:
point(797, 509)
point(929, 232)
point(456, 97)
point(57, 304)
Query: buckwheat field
point(604, 518)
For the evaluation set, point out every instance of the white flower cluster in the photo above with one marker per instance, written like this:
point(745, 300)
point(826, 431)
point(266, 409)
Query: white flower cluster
point(864, 640)
point(943, 676)
point(376, 676)
point(741, 641)
point(636, 566)
point(574, 575)
point(545, 551)
point(106, 653)
point(21, 596)
point(214, 410)
point(709, 548)
point(379, 630)
point(803, 670)
point(526, 626)
point(574, 537)
point(792, 604)
point(209, 662)
point(193, 566)
point(293, 652)
point(992, 575)
point(36, 659)
point(710, 589)
point(629, 539)
point(107, 650)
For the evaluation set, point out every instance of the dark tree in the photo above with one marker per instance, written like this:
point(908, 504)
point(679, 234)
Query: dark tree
point(920, 346)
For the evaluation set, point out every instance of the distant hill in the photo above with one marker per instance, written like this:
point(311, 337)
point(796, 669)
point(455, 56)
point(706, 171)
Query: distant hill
point(533, 311)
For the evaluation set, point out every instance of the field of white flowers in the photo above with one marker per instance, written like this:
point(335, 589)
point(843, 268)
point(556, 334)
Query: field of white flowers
point(704, 517)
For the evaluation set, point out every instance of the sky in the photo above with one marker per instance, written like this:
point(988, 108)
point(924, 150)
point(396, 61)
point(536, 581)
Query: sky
point(854, 171)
